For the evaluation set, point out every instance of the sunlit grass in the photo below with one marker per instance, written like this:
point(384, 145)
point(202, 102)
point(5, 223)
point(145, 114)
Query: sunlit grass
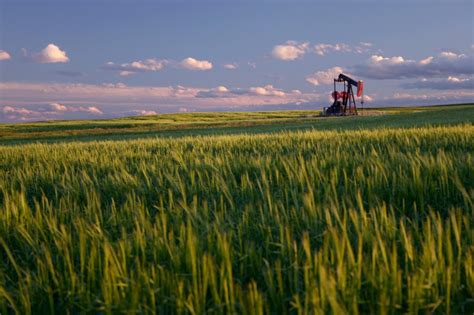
point(178, 125)
point(309, 222)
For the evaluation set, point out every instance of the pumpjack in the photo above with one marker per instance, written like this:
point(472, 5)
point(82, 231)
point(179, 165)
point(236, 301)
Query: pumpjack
point(344, 102)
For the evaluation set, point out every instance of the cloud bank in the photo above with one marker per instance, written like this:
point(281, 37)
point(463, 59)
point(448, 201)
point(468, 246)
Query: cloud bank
point(119, 99)
point(397, 67)
point(47, 112)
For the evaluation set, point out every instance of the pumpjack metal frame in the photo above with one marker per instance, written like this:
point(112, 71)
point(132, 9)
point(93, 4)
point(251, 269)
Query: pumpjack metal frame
point(347, 104)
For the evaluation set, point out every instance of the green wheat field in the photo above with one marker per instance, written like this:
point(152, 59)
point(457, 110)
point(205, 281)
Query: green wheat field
point(240, 213)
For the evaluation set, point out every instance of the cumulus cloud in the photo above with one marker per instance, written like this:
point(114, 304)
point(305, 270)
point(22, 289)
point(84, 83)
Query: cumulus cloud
point(451, 83)
point(220, 91)
point(50, 54)
point(148, 65)
point(323, 49)
point(57, 107)
point(368, 98)
point(397, 67)
point(230, 66)
point(4, 55)
point(291, 50)
point(267, 90)
point(324, 77)
point(194, 64)
point(91, 109)
point(154, 65)
point(18, 111)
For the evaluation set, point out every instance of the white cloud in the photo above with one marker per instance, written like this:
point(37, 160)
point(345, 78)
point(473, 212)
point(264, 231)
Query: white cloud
point(267, 90)
point(154, 65)
point(50, 54)
point(457, 80)
point(4, 55)
point(194, 64)
point(291, 50)
point(90, 109)
point(230, 66)
point(323, 49)
point(255, 91)
point(427, 60)
point(451, 55)
point(220, 91)
point(53, 111)
point(375, 59)
point(148, 65)
point(222, 88)
point(20, 111)
point(141, 112)
point(58, 107)
point(444, 64)
point(324, 77)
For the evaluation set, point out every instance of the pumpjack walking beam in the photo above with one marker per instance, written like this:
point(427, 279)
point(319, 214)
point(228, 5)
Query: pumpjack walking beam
point(348, 94)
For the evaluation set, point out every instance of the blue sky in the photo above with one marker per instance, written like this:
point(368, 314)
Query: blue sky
point(100, 59)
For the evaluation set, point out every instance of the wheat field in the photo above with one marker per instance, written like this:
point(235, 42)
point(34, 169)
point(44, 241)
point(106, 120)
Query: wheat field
point(308, 222)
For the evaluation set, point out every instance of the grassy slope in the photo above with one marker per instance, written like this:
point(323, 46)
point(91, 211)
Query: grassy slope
point(172, 125)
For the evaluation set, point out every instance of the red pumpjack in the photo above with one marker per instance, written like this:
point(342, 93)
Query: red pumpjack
point(344, 101)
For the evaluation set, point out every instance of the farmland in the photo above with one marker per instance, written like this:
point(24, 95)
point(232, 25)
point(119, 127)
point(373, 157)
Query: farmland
point(259, 213)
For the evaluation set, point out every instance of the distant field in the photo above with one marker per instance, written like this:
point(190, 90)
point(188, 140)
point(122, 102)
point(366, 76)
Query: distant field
point(261, 213)
point(177, 125)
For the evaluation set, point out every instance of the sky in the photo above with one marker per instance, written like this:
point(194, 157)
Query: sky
point(112, 58)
